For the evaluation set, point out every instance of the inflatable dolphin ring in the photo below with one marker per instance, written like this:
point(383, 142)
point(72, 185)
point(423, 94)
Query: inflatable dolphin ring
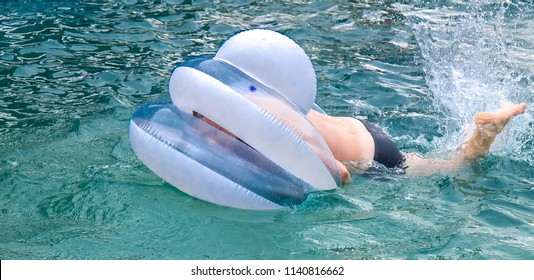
point(236, 133)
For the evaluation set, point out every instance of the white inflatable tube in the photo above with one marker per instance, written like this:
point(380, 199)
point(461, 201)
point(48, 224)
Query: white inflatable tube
point(251, 123)
point(208, 164)
point(275, 60)
point(236, 132)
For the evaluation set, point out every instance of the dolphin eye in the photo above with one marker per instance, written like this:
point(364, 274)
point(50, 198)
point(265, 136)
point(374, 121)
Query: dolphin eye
point(252, 88)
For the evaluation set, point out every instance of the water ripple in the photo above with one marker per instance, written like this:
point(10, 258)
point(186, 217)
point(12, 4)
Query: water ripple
point(72, 73)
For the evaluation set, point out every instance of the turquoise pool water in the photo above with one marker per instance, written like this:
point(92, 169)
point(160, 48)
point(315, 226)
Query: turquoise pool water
point(72, 74)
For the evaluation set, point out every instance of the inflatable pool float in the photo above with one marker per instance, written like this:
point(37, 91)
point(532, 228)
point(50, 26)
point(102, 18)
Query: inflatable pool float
point(236, 133)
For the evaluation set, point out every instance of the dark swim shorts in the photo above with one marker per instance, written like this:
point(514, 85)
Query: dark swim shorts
point(386, 152)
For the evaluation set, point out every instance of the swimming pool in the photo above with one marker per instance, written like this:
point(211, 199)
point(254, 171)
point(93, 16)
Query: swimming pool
point(72, 74)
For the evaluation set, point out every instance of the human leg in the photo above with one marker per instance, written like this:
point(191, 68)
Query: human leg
point(488, 126)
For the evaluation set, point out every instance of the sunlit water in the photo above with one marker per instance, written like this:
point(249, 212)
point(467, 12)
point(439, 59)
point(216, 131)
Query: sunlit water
point(73, 72)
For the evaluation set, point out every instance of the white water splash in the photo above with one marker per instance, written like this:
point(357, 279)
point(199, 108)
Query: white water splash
point(478, 57)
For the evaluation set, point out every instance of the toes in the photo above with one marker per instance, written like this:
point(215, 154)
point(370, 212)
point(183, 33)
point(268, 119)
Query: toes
point(521, 109)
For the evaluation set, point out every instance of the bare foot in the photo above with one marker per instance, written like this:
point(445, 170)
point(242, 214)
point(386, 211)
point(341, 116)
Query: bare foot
point(506, 112)
point(494, 122)
point(488, 125)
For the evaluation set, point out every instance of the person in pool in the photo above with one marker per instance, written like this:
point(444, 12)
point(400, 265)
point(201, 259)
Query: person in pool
point(357, 143)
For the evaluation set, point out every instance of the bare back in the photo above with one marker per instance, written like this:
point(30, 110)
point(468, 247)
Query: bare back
point(347, 138)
